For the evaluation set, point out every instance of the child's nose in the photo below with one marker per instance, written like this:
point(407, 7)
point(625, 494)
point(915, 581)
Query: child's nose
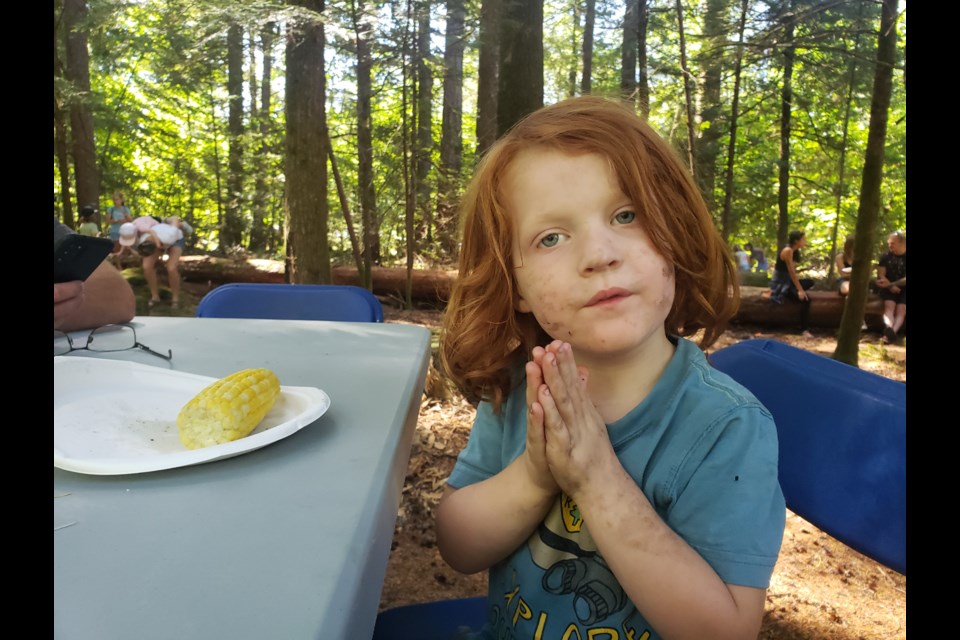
point(600, 252)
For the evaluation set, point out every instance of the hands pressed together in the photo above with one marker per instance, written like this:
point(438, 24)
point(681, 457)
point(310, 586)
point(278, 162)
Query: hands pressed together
point(567, 439)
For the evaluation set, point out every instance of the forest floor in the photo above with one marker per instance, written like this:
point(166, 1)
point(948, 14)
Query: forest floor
point(819, 589)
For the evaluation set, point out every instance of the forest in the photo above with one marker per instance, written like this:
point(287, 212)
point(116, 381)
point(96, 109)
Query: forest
point(328, 133)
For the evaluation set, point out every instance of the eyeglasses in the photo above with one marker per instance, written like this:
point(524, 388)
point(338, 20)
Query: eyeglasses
point(109, 337)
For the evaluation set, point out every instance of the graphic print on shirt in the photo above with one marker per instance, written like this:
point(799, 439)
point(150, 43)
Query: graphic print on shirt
point(563, 547)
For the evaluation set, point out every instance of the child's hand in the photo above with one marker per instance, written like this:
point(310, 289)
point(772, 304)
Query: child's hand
point(535, 453)
point(577, 443)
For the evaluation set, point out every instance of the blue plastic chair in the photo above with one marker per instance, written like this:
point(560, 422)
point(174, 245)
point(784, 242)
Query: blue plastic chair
point(291, 302)
point(843, 442)
point(437, 620)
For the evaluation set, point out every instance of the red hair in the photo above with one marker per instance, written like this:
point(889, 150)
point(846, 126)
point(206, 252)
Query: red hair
point(484, 338)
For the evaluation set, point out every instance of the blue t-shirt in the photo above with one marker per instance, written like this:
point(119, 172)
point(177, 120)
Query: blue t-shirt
point(703, 450)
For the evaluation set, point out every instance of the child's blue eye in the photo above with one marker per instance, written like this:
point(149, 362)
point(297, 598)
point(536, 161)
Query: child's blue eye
point(625, 217)
point(550, 240)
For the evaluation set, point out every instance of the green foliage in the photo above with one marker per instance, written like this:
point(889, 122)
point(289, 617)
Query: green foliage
point(159, 101)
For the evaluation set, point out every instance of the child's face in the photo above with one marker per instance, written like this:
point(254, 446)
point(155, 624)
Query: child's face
point(585, 266)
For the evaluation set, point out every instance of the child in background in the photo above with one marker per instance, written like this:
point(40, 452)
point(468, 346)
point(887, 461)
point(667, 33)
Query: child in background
point(614, 484)
point(88, 227)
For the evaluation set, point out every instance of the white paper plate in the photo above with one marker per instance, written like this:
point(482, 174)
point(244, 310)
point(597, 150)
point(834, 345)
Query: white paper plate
point(112, 417)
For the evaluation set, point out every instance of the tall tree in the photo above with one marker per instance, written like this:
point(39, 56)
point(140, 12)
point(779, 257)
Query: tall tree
point(725, 214)
point(81, 119)
point(628, 52)
point(788, 21)
point(258, 230)
point(306, 153)
point(590, 16)
point(520, 89)
point(60, 142)
point(712, 60)
point(231, 235)
point(687, 93)
point(363, 30)
point(643, 76)
point(487, 74)
point(424, 147)
point(451, 127)
point(848, 339)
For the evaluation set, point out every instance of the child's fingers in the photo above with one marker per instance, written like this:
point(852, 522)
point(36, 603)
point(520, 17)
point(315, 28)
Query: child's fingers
point(534, 380)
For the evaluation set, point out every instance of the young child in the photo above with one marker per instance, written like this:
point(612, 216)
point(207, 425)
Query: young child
point(614, 484)
point(88, 227)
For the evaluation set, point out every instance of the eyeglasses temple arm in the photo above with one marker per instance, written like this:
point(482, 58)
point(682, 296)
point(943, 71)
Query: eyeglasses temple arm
point(169, 355)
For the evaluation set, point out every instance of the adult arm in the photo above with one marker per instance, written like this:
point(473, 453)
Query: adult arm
point(787, 256)
point(882, 281)
point(104, 298)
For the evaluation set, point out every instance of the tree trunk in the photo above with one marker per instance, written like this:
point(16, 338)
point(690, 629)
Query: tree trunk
point(847, 343)
point(345, 207)
point(725, 221)
point(306, 153)
point(60, 143)
point(81, 120)
point(231, 235)
point(628, 54)
point(520, 90)
point(424, 148)
point(841, 170)
point(363, 27)
point(408, 161)
point(786, 104)
point(688, 95)
point(712, 61)
point(451, 132)
point(487, 75)
point(586, 82)
point(258, 230)
point(643, 78)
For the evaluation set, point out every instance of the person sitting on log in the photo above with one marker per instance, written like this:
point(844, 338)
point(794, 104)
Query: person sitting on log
point(844, 263)
point(892, 283)
point(787, 284)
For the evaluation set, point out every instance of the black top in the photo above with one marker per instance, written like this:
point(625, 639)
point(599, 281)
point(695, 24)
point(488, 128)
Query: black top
point(782, 266)
point(896, 265)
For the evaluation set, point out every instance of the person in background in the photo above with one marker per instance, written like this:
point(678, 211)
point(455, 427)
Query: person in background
point(88, 227)
point(787, 284)
point(757, 258)
point(742, 258)
point(614, 484)
point(844, 264)
point(103, 298)
point(118, 214)
point(160, 238)
point(892, 284)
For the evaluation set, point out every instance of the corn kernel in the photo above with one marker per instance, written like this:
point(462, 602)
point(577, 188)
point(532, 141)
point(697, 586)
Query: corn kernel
point(228, 409)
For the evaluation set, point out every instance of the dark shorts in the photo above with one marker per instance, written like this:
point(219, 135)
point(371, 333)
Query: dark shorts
point(899, 298)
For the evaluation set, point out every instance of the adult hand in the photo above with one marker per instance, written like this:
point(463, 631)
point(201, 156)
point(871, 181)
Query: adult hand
point(802, 294)
point(894, 288)
point(578, 446)
point(67, 298)
point(883, 283)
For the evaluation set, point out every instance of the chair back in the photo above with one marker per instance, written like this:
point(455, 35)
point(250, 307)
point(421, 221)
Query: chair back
point(291, 302)
point(842, 434)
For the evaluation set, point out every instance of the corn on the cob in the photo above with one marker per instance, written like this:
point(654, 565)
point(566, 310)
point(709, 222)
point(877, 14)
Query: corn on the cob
point(228, 409)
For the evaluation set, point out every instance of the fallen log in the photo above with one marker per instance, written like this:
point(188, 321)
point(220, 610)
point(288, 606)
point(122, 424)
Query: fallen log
point(432, 286)
point(826, 309)
point(428, 285)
